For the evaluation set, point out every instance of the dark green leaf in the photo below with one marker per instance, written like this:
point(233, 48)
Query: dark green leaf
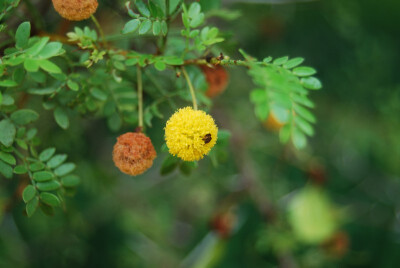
point(64, 169)
point(156, 27)
point(46, 154)
point(169, 164)
point(31, 206)
point(22, 34)
point(6, 170)
point(46, 209)
point(7, 133)
point(8, 83)
point(48, 185)
point(24, 116)
point(73, 85)
point(114, 122)
point(7, 100)
point(145, 26)
point(22, 144)
point(31, 133)
point(187, 167)
point(98, 94)
point(36, 166)
point(43, 176)
point(61, 117)
point(41, 91)
point(20, 169)
point(164, 27)
point(8, 158)
point(142, 8)
point(131, 26)
point(56, 160)
point(29, 193)
point(159, 65)
point(70, 181)
point(50, 199)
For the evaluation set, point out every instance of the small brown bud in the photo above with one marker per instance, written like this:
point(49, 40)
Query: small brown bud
point(75, 10)
point(133, 153)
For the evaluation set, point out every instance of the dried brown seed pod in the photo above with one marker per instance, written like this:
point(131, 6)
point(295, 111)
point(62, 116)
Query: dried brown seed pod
point(75, 9)
point(133, 153)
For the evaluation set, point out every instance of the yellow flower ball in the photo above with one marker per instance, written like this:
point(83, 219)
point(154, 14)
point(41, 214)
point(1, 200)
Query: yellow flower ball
point(190, 134)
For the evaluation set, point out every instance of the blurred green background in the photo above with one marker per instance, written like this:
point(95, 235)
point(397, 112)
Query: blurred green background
point(240, 213)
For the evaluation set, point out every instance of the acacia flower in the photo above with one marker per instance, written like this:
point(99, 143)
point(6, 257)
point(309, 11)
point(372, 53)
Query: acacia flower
point(75, 9)
point(133, 153)
point(190, 134)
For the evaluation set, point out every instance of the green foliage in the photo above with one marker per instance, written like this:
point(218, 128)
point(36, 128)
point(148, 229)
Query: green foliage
point(281, 91)
point(59, 96)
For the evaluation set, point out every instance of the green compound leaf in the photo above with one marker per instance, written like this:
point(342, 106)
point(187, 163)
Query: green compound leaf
point(24, 116)
point(50, 199)
point(29, 193)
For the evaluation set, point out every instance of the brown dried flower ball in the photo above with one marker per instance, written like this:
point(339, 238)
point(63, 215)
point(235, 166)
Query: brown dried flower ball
point(75, 9)
point(217, 79)
point(133, 153)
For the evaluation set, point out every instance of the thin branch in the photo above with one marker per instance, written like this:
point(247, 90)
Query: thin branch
point(185, 74)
